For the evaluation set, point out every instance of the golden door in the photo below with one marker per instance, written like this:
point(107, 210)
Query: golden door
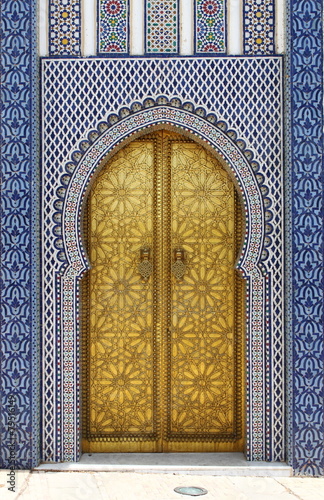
point(162, 303)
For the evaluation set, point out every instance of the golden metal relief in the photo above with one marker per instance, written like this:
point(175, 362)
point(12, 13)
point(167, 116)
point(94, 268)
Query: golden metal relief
point(121, 359)
point(162, 341)
point(202, 304)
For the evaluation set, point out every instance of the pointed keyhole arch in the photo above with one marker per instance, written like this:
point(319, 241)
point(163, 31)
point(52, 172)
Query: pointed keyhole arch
point(76, 261)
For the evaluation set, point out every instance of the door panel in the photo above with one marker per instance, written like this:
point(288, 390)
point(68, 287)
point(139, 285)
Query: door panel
point(201, 388)
point(162, 365)
point(122, 371)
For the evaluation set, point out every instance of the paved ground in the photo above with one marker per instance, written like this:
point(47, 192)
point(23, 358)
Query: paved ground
point(131, 486)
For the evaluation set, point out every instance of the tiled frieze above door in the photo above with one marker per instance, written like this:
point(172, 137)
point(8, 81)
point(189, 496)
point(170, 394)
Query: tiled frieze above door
point(160, 27)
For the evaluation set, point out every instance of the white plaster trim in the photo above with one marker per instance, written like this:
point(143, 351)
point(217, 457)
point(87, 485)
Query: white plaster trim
point(186, 25)
point(43, 28)
point(88, 27)
point(280, 30)
point(136, 21)
point(234, 27)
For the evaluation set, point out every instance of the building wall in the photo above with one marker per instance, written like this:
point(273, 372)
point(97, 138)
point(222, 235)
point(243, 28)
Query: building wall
point(22, 330)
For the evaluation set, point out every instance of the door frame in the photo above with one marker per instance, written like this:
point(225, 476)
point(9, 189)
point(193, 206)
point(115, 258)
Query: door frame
point(261, 415)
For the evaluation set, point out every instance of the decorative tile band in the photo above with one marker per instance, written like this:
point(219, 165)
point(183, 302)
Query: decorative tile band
point(113, 26)
point(210, 26)
point(64, 28)
point(304, 236)
point(258, 27)
point(161, 26)
point(19, 335)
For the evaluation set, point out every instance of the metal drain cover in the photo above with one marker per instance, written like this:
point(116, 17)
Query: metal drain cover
point(194, 491)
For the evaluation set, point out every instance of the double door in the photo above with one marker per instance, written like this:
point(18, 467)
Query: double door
point(162, 304)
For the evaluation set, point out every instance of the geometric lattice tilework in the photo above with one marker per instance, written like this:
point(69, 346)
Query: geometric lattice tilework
point(210, 26)
point(113, 26)
point(19, 335)
point(304, 216)
point(161, 21)
point(259, 26)
point(64, 27)
point(244, 92)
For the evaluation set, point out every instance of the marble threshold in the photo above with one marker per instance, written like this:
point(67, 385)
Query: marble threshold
point(214, 464)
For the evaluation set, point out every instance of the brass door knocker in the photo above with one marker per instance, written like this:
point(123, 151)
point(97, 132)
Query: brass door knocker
point(145, 266)
point(178, 266)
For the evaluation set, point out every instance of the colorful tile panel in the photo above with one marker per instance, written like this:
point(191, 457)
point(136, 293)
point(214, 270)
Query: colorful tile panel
point(210, 24)
point(258, 27)
point(20, 315)
point(161, 26)
point(64, 27)
point(113, 26)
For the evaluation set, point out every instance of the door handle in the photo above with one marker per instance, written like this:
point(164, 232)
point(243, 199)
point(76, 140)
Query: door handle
point(145, 266)
point(179, 266)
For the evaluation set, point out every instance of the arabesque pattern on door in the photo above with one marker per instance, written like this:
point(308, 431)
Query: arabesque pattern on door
point(189, 318)
point(120, 331)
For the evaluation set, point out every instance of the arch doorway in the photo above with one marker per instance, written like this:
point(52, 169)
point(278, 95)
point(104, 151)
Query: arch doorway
point(162, 305)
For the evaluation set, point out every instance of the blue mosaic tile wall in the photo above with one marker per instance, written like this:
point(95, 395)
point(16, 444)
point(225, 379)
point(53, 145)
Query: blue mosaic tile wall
point(304, 231)
point(304, 187)
point(20, 391)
